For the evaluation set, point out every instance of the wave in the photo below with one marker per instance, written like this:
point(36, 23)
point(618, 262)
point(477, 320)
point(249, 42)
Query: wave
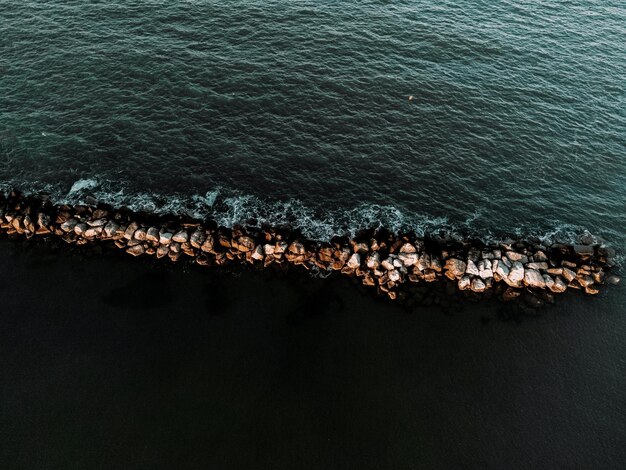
point(228, 208)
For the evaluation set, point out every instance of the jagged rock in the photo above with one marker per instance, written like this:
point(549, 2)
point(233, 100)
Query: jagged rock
point(516, 275)
point(268, 249)
point(130, 230)
point(407, 248)
point(537, 266)
point(136, 250)
point(208, 245)
point(180, 237)
point(478, 285)
point(373, 261)
point(97, 223)
point(534, 279)
point(110, 229)
point(591, 290)
point(585, 281)
point(394, 275)
point(464, 282)
point(408, 259)
point(360, 248)
point(455, 267)
point(198, 237)
point(79, 229)
point(152, 235)
point(388, 264)
point(162, 251)
point(514, 256)
point(68, 225)
point(569, 275)
point(354, 261)
point(257, 253)
point(471, 268)
point(243, 244)
point(140, 234)
point(165, 238)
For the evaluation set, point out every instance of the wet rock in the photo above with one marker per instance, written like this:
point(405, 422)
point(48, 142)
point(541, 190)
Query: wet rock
point(516, 275)
point(471, 268)
point(569, 275)
point(130, 230)
point(464, 282)
point(478, 285)
point(455, 267)
point(368, 280)
point(198, 237)
point(180, 237)
point(583, 251)
point(136, 250)
point(165, 238)
point(354, 261)
point(591, 290)
point(585, 281)
point(435, 264)
point(613, 280)
point(534, 279)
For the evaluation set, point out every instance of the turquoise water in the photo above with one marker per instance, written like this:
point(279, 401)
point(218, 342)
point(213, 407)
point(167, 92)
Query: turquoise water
point(298, 111)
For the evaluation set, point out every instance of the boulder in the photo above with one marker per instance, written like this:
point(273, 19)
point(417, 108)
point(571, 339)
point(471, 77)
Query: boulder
point(558, 286)
point(360, 248)
point(208, 245)
point(583, 251)
point(198, 237)
point(68, 225)
point(244, 244)
point(472, 269)
point(79, 229)
point(464, 282)
point(97, 222)
point(152, 235)
point(408, 259)
point(180, 237)
point(516, 275)
point(140, 234)
point(537, 266)
point(257, 253)
point(165, 238)
point(501, 269)
point(484, 269)
point(534, 279)
point(174, 247)
point(455, 267)
point(394, 275)
point(93, 232)
point(388, 264)
point(268, 249)
point(549, 282)
point(130, 230)
point(478, 285)
point(591, 290)
point(162, 251)
point(514, 256)
point(373, 260)
point(354, 261)
point(540, 256)
point(407, 248)
point(585, 281)
point(435, 264)
point(136, 250)
point(568, 274)
point(297, 248)
point(110, 229)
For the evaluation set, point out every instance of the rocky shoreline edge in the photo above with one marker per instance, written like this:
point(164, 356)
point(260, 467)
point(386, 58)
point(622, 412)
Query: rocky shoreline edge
point(396, 266)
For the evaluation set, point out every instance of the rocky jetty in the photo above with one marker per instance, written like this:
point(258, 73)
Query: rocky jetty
point(387, 262)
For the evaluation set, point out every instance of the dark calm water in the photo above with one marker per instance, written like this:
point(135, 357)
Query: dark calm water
point(299, 112)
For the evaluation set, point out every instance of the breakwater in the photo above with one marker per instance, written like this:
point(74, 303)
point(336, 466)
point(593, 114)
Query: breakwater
point(388, 262)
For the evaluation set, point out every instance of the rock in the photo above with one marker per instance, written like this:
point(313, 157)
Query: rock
point(136, 250)
point(540, 256)
point(361, 248)
point(257, 253)
point(180, 237)
point(97, 223)
point(514, 256)
point(354, 261)
point(407, 248)
point(478, 285)
point(368, 280)
point(243, 244)
point(93, 232)
point(501, 269)
point(397, 263)
point(537, 266)
point(549, 282)
point(79, 229)
point(464, 282)
point(472, 269)
point(165, 238)
point(484, 269)
point(585, 281)
point(174, 247)
point(152, 235)
point(373, 261)
point(591, 290)
point(555, 271)
point(534, 279)
point(488, 255)
point(198, 237)
point(568, 274)
point(559, 286)
point(140, 234)
point(162, 251)
point(516, 275)
point(388, 264)
point(280, 248)
point(408, 259)
point(68, 225)
point(268, 249)
point(510, 294)
point(430, 275)
point(130, 230)
point(110, 229)
point(297, 248)
point(208, 245)
point(455, 267)
point(435, 264)
point(568, 264)
point(613, 280)
point(583, 251)
point(394, 276)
